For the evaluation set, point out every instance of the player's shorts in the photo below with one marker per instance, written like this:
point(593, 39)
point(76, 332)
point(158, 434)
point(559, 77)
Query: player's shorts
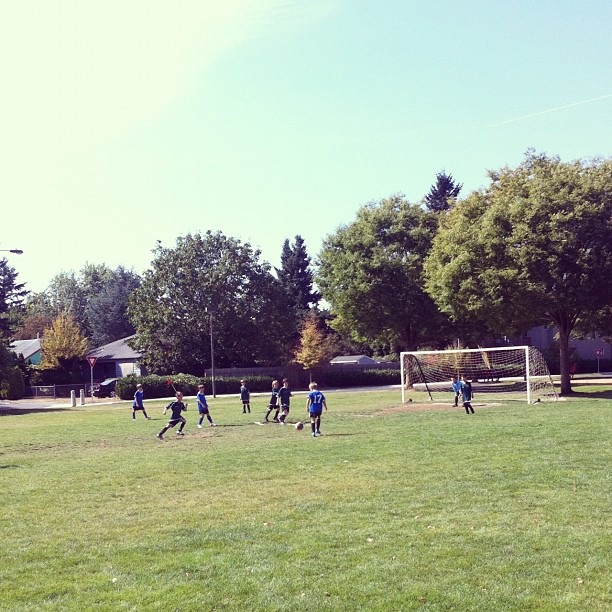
point(173, 422)
point(135, 407)
point(245, 401)
point(315, 413)
point(273, 406)
point(202, 409)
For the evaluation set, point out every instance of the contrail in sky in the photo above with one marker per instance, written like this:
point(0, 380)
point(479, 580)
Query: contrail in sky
point(552, 110)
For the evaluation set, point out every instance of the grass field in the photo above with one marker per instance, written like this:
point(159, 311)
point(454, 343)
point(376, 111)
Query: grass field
point(390, 509)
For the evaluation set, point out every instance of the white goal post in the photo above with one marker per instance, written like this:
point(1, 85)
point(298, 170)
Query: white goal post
point(509, 372)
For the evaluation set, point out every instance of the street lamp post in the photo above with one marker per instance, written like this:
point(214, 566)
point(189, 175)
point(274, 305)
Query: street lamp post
point(211, 311)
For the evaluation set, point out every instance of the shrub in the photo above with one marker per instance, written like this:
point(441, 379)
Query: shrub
point(14, 384)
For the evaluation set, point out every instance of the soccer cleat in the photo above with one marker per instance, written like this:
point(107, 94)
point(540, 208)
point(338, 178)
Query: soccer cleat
point(318, 432)
point(200, 425)
point(314, 434)
point(160, 436)
point(213, 424)
point(148, 418)
point(180, 433)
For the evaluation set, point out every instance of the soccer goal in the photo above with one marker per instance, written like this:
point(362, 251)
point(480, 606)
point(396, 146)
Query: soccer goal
point(513, 372)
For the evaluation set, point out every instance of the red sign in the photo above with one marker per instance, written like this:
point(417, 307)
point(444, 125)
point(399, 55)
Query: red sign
point(92, 361)
point(598, 352)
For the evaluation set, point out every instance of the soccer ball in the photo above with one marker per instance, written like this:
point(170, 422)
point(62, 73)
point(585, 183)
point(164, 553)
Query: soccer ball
point(299, 425)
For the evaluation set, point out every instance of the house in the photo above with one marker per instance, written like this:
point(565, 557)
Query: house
point(30, 349)
point(116, 359)
point(353, 360)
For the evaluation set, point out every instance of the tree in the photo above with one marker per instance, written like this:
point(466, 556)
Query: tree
point(96, 299)
point(33, 326)
point(170, 310)
point(106, 311)
point(534, 247)
point(63, 346)
point(66, 296)
point(443, 193)
point(314, 347)
point(371, 274)
point(295, 276)
point(12, 295)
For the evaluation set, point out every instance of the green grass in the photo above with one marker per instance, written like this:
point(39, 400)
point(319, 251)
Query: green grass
point(508, 509)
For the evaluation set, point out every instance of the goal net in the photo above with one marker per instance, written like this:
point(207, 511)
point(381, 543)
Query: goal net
point(514, 372)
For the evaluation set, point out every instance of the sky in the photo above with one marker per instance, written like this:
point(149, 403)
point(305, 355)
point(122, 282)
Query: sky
point(125, 122)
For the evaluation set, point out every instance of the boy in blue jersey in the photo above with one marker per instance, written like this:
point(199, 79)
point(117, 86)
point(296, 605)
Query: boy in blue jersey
point(468, 394)
point(273, 405)
point(203, 407)
point(314, 406)
point(457, 389)
point(138, 403)
point(245, 396)
point(284, 393)
point(177, 407)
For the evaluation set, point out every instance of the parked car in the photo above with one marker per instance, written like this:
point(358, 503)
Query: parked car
point(106, 388)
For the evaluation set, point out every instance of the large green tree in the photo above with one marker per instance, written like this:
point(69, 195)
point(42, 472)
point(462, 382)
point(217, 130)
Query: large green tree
point(534, 247)
point(371, 274)
point(170, 310)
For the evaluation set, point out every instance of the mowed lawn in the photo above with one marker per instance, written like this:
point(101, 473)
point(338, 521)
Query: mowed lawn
point(390, 509)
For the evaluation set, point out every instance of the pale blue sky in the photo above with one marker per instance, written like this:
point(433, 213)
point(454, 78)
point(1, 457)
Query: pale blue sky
point(123, 122)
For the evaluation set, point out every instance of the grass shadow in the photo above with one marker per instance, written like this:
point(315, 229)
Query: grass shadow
point(10, 411)
point(607, 394)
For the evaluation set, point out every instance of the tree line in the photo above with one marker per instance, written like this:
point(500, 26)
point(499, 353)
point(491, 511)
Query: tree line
point(532, 247)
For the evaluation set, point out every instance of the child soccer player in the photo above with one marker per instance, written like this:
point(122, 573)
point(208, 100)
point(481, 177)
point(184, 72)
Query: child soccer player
point(203, 407)
point(468, 394)
point(314, 405)
point(273, 405)
point(138, 405)
point(245, 396)
point(284, 394)
point(457, 389)
point(177, 407)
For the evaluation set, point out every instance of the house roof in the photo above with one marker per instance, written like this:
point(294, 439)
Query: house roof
point(27, 348)
point(353, 359)
point(117, 350)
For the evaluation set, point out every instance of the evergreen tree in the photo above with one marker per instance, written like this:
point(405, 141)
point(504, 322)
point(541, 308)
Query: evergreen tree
point(295, 276)
point(106, 312)
point(12, 295)
point(443, 193)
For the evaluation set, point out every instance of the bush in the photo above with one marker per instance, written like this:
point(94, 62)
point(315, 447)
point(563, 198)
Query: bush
point(13, 386)
point(356, 378)
point(157, 386)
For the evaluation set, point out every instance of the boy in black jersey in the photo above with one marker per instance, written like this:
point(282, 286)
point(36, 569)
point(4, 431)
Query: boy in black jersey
point(177, 407)
point(284, 394)
point(273, 405)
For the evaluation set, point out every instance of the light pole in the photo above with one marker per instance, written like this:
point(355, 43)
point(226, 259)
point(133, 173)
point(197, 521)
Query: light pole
point(211, 311)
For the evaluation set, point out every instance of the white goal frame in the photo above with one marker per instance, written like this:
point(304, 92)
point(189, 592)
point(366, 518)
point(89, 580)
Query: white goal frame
point(541, 379)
